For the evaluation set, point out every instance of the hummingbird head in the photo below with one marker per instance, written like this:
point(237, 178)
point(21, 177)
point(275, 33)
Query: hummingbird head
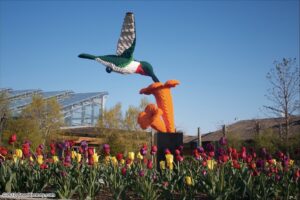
point(147, 70)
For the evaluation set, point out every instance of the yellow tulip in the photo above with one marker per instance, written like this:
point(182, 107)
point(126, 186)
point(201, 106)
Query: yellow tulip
point(139, 156)
point(211, 164)
point(15, 158)
point(122, 161)
point(131, 155)
point(107, 159)
point(19, 153)
point(31, 159)
point(73, 154)
point(171, 166)
point(169, 159)
point(40, 159)
point(291, 163)
point(114, 160)
point(96, 158)
point(78, 157)
point(188, 180)
point(162, 164)
point(55, 159)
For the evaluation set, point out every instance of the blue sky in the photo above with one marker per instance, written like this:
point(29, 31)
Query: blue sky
point(220, 51)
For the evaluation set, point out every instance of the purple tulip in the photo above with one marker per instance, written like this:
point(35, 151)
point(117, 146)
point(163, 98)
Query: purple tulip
point(200, 149)
point(67, 145)
point(210, 147)
point(106, 146)
point(285, 162)
point(263, 152)
point(223, 141)
point(141, 173)
point(221, 151)
point(143, 151)
point(260, 163)
point(68, 159)
point(84, 145)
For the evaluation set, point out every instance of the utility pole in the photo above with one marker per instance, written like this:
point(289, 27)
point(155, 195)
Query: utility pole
point(199, 138)
point(224, 130)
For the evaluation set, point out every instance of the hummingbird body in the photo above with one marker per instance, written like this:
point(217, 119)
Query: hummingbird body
point(128, 68)
point(123, 61)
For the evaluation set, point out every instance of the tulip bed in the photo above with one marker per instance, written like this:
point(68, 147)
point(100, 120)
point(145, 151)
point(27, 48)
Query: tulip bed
point(84, 172)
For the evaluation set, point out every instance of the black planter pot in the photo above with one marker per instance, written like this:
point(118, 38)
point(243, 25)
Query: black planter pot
point(165, 141)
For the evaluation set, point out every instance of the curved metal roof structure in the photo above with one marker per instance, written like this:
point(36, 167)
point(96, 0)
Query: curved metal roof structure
point(78, 109)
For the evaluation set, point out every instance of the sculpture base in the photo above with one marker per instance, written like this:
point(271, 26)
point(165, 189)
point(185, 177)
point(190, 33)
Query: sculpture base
point(165, 141)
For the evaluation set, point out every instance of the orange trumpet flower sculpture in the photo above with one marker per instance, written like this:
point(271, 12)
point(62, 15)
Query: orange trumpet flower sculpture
point(151, 115)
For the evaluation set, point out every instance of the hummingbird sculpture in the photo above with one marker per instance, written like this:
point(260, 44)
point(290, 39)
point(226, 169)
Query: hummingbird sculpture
point(123, 62)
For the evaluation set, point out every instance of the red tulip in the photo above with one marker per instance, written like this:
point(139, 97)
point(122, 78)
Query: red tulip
point(39, 151)
point(248, 158)
point(145, 147)
point(90, 151)
point(252, 165)
point(43, 166)
point(153, 150)
point(229, 150)
point(177, 152)
point(236, 164)
point(67, 164)
point(297, 173)
point(81, 150)
point(26, 150)
point(179, 158)
point(52, 151)
point(124, 171)
point(91, 160)
point(150, 164)
point(3, 151)
point(234, 155)
point(167, 151)
point(12, 139)
point(119, 156)
point(145, 160)
point(255, 173)
point(224, 158)
point(234, 150)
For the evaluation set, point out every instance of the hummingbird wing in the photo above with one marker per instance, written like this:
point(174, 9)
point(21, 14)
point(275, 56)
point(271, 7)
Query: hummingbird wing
point(126, 43)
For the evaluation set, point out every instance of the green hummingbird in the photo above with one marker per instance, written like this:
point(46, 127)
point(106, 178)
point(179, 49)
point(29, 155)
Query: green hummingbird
point(123, 62)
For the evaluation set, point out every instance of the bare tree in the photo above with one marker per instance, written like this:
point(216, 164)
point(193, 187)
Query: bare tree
point(284, 91)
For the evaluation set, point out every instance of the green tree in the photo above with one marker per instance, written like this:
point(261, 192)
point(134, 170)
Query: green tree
point(25, 129)
point(111, 118)
point(45, 115)
point(131, 115)
point(234, 140)
point(116, 128)
point(267, 139)
point(284, 91)
point(4, 112)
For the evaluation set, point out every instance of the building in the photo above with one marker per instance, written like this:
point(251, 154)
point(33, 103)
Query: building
point(245, 131)
point(78, 109)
